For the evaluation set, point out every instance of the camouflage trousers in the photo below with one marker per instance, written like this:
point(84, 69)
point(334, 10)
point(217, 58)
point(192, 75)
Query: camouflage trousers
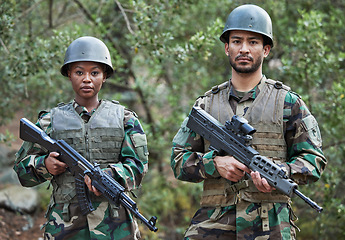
point(105, 223)
point(243, 221)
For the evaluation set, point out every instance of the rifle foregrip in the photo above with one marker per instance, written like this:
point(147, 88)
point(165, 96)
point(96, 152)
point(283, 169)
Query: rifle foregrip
point(274, 174)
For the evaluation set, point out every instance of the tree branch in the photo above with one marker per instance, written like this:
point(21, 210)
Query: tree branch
point(124, 16)
point(27, 11)
point(86, 12)
point(50, 15)
point(4, 46)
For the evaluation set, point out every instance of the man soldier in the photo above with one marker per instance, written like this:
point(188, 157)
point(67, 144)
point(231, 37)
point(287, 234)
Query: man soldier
point(236, 202)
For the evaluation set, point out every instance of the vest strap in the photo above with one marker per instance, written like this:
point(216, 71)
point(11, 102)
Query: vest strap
point(216, 214)
point(65, 212)
point(234, 188)
point(264, 217)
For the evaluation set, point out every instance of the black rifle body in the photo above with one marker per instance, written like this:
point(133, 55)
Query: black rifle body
point(234, 138)
point(79, 166)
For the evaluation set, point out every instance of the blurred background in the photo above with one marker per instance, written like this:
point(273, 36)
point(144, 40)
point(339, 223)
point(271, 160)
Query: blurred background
point(167, 53)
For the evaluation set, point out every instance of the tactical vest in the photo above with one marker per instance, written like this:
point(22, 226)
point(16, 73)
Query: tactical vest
point(99, 140)
point(265, 114)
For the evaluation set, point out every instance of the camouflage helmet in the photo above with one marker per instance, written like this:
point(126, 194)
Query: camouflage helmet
point(250, 18)
point(88, 49)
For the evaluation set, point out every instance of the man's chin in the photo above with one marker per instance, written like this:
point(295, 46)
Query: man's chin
point(244, 70)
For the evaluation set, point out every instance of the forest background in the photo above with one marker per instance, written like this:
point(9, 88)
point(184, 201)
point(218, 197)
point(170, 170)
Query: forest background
point(167, 53)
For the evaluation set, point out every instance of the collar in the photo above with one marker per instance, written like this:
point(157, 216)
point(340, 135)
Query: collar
point(244, 96)
point(83, 111)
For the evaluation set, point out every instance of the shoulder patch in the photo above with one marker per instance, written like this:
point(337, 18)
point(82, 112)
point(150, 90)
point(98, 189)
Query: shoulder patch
point(311, 126)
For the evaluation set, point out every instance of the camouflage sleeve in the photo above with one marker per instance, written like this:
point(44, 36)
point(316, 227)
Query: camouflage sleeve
point(189, 159)
point(133, 164)
point(306, 160)
point(29, 164)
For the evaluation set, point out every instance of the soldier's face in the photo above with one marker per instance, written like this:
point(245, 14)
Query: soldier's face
point(87, 78)
point(246, 51)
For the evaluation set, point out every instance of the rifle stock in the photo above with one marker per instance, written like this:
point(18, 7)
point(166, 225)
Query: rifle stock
point(79, 166)
point(234, 138)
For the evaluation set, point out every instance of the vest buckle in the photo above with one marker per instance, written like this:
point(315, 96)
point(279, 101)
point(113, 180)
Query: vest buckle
point(215, 89)
point(239, 186)
point(278, 85)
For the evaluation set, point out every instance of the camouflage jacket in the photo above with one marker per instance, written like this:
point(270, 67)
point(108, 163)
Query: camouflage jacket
point(305, 159)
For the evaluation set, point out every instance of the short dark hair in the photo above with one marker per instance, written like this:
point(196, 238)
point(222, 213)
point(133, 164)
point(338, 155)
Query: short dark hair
point(267, 41)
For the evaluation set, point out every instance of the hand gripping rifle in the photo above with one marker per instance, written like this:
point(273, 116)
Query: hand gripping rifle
point(234, 139)
point(79, 166)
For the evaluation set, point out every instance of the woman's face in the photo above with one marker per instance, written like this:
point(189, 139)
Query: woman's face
point(87, 79)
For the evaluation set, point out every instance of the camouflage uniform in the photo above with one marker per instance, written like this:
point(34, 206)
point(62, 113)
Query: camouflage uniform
point(130, 164)
point(291, 139)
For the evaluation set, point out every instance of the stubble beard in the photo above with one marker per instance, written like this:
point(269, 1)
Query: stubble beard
point(245, 67)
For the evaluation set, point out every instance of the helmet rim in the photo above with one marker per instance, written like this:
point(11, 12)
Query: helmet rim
point(251, 18)
point(87, 49)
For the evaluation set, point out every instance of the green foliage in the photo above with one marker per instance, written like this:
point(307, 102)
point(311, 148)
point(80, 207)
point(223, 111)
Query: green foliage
point(173, 202)
point(166, 53)
point(7, 137)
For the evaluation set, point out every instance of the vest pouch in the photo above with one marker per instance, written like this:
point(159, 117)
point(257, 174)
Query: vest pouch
point(260, 197)
point(64, 188)
point(105, 144)
point(269, 141)
point(252, 194)
point(216, 193)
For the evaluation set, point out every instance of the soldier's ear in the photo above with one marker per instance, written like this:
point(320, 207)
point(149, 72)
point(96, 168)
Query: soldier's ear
point(68, 70)
point(267, 49)
point(226, 46)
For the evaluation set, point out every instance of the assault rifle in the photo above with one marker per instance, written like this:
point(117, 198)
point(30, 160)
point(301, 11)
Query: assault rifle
point(234, 139)
point(79, 166)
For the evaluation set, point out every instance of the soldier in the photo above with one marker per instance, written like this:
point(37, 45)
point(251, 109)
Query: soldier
point(237, 203)
point(104, 132)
